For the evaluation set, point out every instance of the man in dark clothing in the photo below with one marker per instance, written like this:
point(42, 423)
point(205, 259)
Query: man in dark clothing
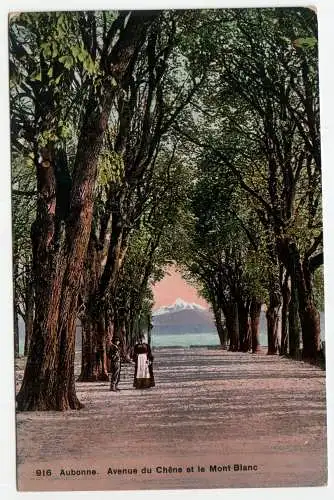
point(114, 355)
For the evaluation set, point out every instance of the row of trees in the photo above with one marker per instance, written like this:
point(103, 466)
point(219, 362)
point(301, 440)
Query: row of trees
point(257, 231)
point(91, 104)
point(141, 138)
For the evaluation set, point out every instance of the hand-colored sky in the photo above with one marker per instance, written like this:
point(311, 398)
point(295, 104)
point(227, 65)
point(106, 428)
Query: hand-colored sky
point(172, 287)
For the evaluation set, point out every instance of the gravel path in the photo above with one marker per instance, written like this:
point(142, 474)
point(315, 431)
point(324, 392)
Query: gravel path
point(211, 414)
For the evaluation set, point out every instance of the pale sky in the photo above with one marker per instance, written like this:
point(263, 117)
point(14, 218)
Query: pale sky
point(172, 287)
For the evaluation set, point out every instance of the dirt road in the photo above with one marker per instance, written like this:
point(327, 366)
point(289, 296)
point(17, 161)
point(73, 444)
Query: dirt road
point(214, 419)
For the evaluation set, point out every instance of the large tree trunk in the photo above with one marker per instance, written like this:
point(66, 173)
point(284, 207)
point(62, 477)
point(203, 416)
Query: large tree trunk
point(88, 352)
point(124, 332)
point(115, 258)
point(232, 325)
point(90, 318)
point(95, 363)
point(308, 313)
point(244, 325)
point(48, 382)
point(102, 302)
point(35, 392)
point(272, 316)
point(219, 325)
point(128, 341)
point(310, 323)
point(294, 327)
point(301, 276)
point(29, 311)
point(273, 309)
point(255, 314)
point(285, 308)
point(101, 354)
point(16, 332)
point(272, 326)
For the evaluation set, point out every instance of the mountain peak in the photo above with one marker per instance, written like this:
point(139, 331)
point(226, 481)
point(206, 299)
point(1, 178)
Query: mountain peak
point(180, 302)
point(178, 305)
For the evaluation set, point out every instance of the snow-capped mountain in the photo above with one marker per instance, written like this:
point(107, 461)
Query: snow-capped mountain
point(179, 305)
point(182, 317)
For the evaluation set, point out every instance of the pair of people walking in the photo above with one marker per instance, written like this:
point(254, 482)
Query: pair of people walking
point(142, 356)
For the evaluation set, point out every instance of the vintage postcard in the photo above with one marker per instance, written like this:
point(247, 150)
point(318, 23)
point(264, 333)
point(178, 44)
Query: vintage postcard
point(167, 249)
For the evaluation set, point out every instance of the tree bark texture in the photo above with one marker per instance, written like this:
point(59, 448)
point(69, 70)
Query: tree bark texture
point(294, 325)
point(102, 298)
point(274, 305)
point(220, 326)
point(284, 347)
point(16, 332)
point(272, 325)
point(90, 318)
point(255, 313)
point(301, 276)
point(308, 314)
point(88, 352)
point(244, 325)
point(232, 324)
point(29, 311)
point(57, 277)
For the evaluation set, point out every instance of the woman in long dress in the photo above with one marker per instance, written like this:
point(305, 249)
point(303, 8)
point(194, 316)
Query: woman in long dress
point(143, 358)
